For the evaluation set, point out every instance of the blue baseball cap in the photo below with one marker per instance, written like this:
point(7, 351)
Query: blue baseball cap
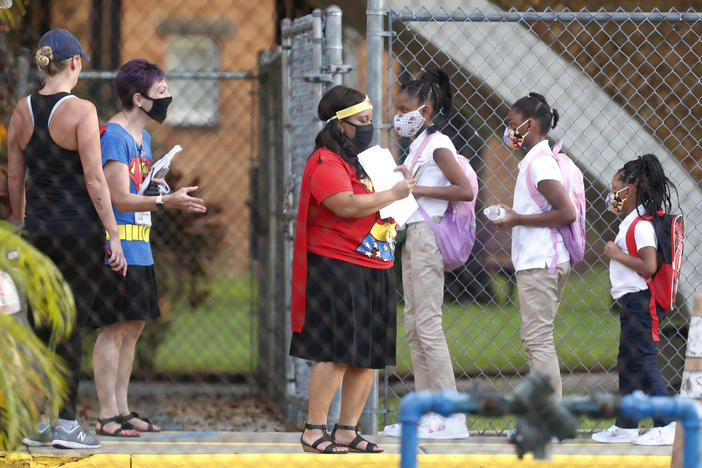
point(63, 44)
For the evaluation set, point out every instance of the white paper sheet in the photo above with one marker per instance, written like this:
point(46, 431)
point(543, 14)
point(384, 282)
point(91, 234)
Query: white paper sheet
point(380, 167)
point(158, 166)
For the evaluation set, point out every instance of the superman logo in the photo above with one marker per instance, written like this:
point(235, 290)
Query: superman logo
point(138, 169)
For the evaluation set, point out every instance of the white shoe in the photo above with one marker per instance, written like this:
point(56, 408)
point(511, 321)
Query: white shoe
point(616, 435)
point(395, 430)
point(658, 436)
point(431, 426)
point(454, 428)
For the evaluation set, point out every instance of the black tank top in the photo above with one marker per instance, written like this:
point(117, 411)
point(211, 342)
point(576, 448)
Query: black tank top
point(57, 199)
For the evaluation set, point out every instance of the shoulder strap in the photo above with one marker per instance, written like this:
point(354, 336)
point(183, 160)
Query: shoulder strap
point(56, 106)
point(536, 196)
point(631, 235)
point(29, 105)
point(419, 151)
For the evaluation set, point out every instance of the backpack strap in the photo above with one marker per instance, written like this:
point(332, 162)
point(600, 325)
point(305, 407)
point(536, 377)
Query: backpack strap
point(420, 150)
point(634, 252)
point(536, 196)
point(415, 157)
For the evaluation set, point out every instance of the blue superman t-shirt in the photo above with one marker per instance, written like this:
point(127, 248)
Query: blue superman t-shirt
point(134, 228)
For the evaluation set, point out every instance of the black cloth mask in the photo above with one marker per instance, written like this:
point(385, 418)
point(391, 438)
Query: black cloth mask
point(363, 137)
point(159, 109)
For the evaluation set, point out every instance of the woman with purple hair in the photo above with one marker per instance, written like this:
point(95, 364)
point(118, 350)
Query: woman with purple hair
point(125, 303)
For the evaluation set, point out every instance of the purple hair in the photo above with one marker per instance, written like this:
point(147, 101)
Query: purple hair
point(136, 76)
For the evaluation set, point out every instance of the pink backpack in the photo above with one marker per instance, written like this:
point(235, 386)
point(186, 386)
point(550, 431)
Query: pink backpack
point(455, 233)
point(573, 234)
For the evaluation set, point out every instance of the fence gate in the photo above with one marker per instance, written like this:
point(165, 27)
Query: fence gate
point(293, 79)
point(625, 84)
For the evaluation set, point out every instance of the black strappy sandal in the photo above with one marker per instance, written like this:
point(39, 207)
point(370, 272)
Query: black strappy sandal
point(325, 438)
point(124, 426)
point(353, 445)
point(133, 415)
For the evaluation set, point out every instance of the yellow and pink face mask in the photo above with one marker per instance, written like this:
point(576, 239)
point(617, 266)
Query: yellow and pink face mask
point(512, 138)
point(614, 202)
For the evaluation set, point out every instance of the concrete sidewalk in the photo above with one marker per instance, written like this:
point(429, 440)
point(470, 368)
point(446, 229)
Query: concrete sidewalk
point(281, 449)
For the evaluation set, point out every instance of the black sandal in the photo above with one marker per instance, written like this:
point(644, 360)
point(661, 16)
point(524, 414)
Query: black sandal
point(325, 438)
point(353, 445)
point(124, 426)
point(134, 414)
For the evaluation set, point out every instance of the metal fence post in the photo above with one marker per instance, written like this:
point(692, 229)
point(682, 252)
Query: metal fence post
point(374, 89)
point(332, 43)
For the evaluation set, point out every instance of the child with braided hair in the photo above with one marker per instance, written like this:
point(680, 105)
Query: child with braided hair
point(638, 189)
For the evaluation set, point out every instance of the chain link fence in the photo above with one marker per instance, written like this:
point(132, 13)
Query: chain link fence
point(625, 84)
point(206, 338)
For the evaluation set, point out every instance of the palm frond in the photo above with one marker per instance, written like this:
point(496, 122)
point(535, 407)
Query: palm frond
point(42, 283)
point(31, 381)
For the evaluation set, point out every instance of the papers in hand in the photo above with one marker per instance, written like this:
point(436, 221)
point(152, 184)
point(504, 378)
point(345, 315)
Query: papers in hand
point(380, 167)
point(159, 169)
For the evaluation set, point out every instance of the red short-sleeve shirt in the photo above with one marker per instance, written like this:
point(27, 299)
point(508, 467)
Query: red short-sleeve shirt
point(368, 241)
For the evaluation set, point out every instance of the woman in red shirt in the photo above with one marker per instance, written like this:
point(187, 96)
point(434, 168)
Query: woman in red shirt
point(343, 292)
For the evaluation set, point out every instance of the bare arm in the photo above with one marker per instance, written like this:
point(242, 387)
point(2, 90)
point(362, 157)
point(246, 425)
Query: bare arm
point(88, 138)
point(645, 264)
point(460, 188)
point(351, 205)
point(117, 176)
point(16, 168)
point(562, 211)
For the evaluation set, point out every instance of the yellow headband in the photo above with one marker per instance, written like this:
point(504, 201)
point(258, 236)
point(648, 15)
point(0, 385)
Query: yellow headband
point(353, 110)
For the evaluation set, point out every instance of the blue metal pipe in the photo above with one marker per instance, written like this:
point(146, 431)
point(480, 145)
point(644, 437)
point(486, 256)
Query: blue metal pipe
point(688, 411)
point(637, 405)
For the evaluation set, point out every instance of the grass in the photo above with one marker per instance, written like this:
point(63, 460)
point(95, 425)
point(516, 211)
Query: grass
point(216, 337)
point(485, 338)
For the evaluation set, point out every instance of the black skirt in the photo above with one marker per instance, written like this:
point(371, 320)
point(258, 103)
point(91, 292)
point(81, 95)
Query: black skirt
point(350, 315)
point(121, 298)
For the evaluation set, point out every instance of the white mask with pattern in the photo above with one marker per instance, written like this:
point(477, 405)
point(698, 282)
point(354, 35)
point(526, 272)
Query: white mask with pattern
point(409, 123)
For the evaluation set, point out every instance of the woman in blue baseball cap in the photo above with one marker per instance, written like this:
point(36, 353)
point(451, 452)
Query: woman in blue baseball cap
point(53, 140)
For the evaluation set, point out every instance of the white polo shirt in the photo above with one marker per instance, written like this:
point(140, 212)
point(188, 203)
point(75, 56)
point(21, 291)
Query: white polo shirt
point(431, 174)
point(532, 247)
point(624, 280)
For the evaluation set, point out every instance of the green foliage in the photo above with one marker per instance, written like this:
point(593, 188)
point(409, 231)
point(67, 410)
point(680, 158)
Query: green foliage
point(31, 376)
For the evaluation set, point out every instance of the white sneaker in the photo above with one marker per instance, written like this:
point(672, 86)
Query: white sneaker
point(658, 436)
point(431, 426)
point(615, 435)
point(425, 424)
point(454, 428)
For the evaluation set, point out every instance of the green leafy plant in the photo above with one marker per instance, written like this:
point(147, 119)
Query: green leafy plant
point(31, 376)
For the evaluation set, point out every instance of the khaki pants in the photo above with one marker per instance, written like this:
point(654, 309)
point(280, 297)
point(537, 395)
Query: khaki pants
point(540, 295)
point(423, 284)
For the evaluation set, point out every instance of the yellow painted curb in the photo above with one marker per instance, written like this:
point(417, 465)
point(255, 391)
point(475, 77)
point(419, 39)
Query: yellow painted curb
point(22, 460)
point(391, 460)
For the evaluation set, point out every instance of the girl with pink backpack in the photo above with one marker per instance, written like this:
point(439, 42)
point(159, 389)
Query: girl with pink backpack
point(540, 254)
point(422, 106)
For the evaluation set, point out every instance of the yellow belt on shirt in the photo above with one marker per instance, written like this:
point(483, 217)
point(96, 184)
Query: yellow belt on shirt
point(133, 232)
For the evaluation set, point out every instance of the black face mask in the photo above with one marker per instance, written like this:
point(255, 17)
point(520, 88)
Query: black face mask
point(160, 108)
point(363, 137)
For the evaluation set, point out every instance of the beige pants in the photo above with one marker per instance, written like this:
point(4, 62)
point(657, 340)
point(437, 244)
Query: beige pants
point(539, 297)
point(423, 284)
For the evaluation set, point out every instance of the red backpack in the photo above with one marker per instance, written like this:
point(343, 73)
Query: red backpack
point(670, 232)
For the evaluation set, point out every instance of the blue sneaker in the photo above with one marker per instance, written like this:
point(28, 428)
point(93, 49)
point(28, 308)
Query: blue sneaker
point(74, 438)
point(41, 437)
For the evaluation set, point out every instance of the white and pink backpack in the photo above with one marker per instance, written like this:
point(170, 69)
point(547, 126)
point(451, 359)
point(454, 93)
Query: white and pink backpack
point(573, 234)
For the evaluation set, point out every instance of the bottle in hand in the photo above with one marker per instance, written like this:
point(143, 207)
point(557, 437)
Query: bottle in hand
point(494, 212)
